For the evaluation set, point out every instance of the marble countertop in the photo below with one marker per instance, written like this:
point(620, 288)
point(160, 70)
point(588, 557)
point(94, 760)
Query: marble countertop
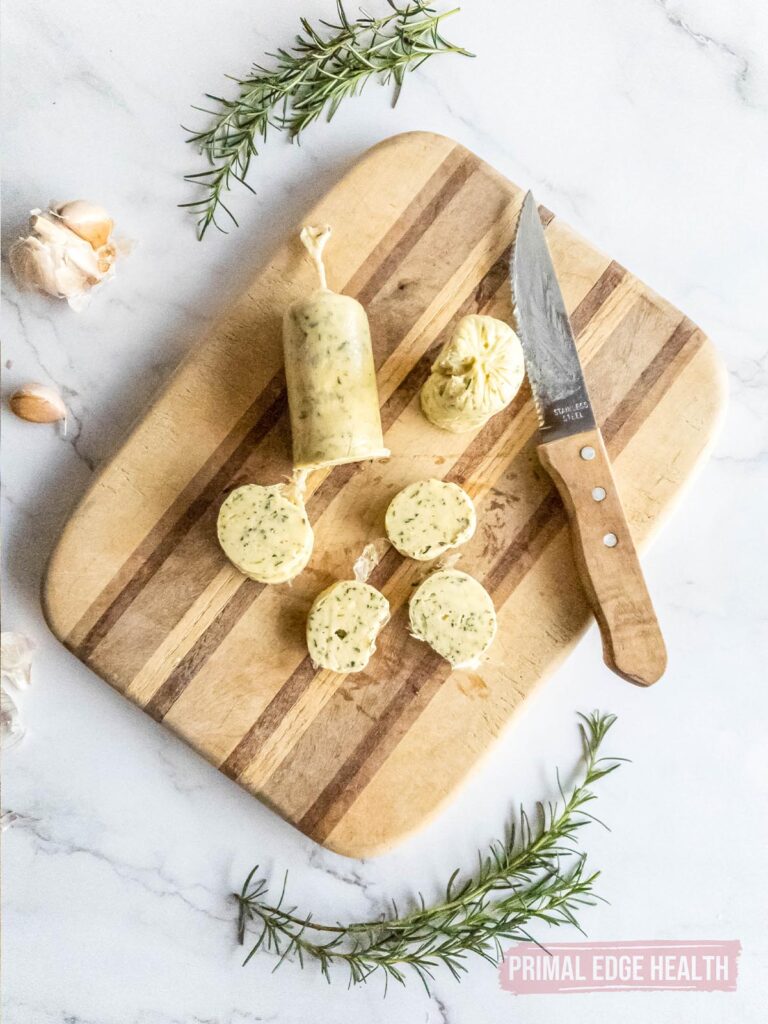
point(641, 122)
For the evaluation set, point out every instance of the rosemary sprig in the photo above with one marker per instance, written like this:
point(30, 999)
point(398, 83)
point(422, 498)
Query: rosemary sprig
point(307, 82)
point(535, 874)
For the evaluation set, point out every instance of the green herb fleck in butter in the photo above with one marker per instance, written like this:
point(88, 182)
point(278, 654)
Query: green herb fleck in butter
point(428, 517)
point(454, 614)
point(343, 624)
point(264, 534)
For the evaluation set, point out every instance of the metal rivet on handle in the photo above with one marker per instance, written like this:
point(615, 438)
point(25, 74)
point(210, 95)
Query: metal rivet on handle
point(610, 540)
point(598, 493)
point(587, 452)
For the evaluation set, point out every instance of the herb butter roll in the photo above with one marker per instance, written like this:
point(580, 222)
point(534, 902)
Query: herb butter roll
point(331, 378)
point(477, 374)
point(454, 614)
point(265, 533)
point(428, 517)
point(343, 624)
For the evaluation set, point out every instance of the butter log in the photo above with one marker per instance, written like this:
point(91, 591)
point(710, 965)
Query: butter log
point(330, 374)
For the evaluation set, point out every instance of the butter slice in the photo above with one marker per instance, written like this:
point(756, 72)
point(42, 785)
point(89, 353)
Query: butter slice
point(454, 614)
point(343, 624)
point(265, 533)
point(428, 517)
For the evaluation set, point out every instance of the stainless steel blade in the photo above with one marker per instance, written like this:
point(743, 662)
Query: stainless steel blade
point(551, 359)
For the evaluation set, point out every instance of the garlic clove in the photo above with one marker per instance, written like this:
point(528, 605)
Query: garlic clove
point(38, 403)
point(32, 265)
point(49, 228)
point(87, 220)
point(53, 259)
point(83, 262)
point(53, 269)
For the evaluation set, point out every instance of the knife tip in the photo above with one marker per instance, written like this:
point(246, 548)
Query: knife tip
point(530, 207)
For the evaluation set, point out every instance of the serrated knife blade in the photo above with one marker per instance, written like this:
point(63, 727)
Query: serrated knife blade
point(572, 450)
point(551, 358)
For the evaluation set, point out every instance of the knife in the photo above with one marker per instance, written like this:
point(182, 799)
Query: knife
point(572, 451)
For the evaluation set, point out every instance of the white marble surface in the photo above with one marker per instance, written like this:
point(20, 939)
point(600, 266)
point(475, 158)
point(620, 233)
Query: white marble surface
point(644, 123)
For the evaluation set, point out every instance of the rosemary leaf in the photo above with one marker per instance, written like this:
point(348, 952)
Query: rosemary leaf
point(535, 875)
point(325, 66)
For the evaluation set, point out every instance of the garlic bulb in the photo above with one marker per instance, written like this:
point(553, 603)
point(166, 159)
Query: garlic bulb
point(67, 252)
point(38, 404)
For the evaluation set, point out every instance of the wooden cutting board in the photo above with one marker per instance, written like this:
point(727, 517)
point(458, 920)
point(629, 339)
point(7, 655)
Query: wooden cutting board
point(139, 590)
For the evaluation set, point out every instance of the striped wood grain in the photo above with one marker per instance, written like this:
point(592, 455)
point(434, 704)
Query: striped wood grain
point(138, 588)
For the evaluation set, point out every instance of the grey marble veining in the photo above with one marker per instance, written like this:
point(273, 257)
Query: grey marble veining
point(643, 123)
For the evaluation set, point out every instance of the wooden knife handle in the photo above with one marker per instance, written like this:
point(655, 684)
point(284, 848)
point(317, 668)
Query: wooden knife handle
point(606, 557)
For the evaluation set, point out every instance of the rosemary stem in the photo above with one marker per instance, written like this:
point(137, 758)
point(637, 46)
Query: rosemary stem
point(483, 888)
point(309, 81)
point(519, 880)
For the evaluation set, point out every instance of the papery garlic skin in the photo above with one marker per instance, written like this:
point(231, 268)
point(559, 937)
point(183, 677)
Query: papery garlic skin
point(11, 729)
point(15, 668)
point(369, 558)
point(7, 818)
point(67, 252)
point(16, 659)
